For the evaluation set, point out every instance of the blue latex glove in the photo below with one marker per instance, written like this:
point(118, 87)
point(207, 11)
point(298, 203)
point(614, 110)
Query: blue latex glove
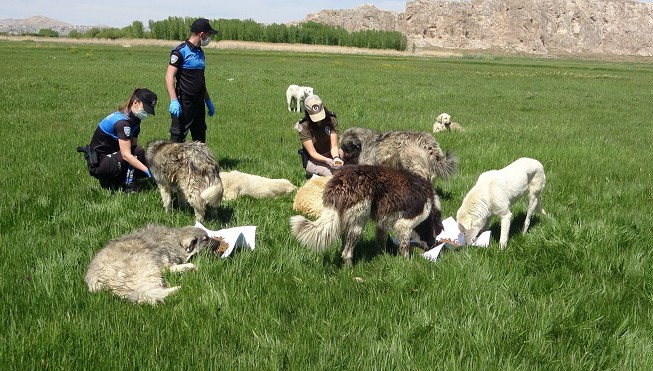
point(175, 108)
point(210, 106)
point(147, 172)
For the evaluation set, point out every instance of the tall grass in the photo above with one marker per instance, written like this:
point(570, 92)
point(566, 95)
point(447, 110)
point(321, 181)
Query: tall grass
point(573, 293)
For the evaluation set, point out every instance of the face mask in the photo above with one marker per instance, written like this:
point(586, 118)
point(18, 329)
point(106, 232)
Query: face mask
point(206, 41)
point(141, 114)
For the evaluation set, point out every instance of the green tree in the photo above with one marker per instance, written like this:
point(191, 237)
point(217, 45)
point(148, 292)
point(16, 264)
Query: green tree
point(46, 32)
point(136, 30)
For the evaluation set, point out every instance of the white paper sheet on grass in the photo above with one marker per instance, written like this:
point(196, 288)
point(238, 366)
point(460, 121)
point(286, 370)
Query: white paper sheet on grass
point(236, 237)
point(452, 233)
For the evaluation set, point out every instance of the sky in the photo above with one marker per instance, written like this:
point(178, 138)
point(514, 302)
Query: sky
point(121, 13)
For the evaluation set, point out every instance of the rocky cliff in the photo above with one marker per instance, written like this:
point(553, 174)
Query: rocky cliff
point(619, 27)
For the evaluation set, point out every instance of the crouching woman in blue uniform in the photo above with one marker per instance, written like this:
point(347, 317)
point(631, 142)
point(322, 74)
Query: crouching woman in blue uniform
point(115, 141)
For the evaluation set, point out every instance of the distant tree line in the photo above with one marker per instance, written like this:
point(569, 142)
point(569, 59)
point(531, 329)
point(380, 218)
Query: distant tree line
point(178, 28)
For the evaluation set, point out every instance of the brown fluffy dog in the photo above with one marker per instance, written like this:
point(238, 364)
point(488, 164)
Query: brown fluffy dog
point(394, 198)
point(188, 169)
point(131, 266)
point(415, 151)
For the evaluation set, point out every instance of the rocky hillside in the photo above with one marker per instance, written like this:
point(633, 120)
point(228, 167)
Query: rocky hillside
point(618, 27)
point(36, 23)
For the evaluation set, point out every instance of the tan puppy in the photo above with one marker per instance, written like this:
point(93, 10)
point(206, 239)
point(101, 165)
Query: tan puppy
point(443, 123)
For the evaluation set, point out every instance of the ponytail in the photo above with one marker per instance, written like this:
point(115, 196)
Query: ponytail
point(125, 107)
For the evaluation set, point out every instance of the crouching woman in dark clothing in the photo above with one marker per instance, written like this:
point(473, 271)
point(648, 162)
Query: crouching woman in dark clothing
point(115, 142)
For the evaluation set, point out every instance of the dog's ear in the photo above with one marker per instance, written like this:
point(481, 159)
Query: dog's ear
point(188, 243)
point(464, 224)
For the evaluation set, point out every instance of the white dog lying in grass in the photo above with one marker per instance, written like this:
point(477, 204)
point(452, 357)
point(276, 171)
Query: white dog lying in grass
point(237, 184)
point(443, 123)
point(295, 96)
point(494, 193)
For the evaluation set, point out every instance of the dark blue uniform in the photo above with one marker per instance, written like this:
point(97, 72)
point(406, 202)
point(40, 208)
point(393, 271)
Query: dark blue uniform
point(112, 169)
point(190, 88)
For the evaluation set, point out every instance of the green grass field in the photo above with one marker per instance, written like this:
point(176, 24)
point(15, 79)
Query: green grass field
point(575, 293)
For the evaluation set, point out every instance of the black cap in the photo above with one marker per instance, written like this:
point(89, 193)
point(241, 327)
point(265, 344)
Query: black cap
point(202, 25)
point(148, 98)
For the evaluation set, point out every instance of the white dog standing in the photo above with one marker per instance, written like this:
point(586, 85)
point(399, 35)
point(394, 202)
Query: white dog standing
point(295, 96)
point(494, 193)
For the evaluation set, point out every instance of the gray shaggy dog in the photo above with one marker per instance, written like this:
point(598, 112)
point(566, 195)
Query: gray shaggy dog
point(395, 199)
point(188, 169)
point(131, 266)
point(415, 151)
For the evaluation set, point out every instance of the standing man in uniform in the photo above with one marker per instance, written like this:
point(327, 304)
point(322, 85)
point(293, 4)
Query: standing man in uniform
point(186, 85)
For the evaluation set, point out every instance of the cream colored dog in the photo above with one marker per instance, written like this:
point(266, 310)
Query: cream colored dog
point(443, 123)
point(237, 184)
point(295, 96)
point(494, 193)
point(308, 199)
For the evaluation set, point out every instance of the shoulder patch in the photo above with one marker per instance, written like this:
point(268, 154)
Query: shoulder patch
point(328, 130)
point(173, 58)
point(127, 130)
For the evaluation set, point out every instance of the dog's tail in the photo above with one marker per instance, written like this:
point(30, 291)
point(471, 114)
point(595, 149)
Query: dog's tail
point(318, 234)
point(446, 166)
point(213, 195)
point(150, 294)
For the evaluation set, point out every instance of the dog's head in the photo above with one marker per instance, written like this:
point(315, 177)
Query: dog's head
point(351, 146)
point(444, 119)
point(153, 147)
point(353, 141)
point(193, 240)
point(469, 226)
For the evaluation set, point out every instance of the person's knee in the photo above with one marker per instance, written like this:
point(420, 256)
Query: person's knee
point(177, 138)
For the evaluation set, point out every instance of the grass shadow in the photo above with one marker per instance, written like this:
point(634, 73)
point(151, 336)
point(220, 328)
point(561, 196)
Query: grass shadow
point(228, 163)
point(444, 195)
point(516, 225)
point(222, 214)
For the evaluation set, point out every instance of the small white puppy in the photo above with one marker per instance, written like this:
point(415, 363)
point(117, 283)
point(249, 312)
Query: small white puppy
point(443, 123)
point(295, 96)
point(494, 193)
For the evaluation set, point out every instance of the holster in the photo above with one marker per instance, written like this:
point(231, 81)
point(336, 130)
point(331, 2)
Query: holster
point(302, 152)
point(90, 156)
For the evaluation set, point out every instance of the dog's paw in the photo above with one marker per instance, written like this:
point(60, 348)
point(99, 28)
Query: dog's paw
point(183, 267)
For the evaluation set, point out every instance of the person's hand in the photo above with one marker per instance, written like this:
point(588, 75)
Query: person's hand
point(175, 107)
point(210, 106)
point(147, 172)
point(330, 162)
